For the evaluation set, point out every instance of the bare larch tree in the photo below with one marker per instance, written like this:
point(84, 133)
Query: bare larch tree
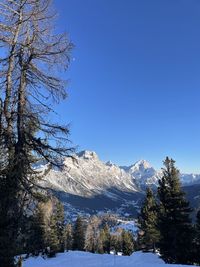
point(31, 53)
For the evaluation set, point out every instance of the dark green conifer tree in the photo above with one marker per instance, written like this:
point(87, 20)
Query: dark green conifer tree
point(127, 243)
point(38, 232)
point(68, 237)
point(116, 242)
point(60, 225)
point(196, 243)
point(79, 235)
point(174, 217)
point(148, 222)
point(101, 238)
point(106, 239)
point(53, 240)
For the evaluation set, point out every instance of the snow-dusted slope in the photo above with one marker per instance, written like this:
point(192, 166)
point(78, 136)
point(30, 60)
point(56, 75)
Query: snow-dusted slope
point(86, 259)
point(86, 175)
point(143, 173)
point(190, 179)
point(87, 184)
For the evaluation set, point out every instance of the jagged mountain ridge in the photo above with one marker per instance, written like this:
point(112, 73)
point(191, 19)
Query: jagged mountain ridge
point(87, 174)
point(86, 183)
point(145, 175)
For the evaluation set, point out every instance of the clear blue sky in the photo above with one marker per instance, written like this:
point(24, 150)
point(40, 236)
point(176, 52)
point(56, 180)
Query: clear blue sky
point(134, 90)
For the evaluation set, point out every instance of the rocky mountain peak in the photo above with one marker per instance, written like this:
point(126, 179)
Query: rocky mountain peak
point(86, 154)
point(141, 165)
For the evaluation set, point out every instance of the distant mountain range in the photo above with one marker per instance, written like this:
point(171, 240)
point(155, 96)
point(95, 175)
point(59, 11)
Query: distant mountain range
point(88, 185)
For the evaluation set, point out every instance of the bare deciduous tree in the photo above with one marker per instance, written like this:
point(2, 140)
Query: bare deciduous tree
point(31, 53)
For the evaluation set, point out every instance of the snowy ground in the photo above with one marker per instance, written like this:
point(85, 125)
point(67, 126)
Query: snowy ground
point(85, 259)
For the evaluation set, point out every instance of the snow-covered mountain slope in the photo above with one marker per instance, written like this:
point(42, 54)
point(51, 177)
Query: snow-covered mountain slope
point(86, 259)
point(87, 184)
point(86, 175)
point(143, 173)
point(190, 179)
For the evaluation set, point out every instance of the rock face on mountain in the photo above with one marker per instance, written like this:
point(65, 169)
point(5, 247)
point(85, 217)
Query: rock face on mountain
point(88, 185)
point(143, 174)
point(86, 175)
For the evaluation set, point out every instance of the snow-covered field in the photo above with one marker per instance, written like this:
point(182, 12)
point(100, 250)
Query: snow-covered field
point(85, 259)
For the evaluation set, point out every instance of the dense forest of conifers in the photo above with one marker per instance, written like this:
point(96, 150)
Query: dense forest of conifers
point(47, 233)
